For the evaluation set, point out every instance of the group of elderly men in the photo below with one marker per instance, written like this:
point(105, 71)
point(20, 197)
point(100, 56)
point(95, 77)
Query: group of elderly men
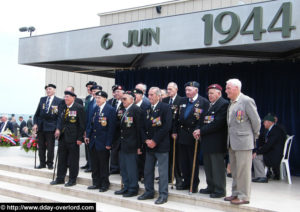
point(130, 133)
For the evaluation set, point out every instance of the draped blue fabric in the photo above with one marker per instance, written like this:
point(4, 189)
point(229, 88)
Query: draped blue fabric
point(274, 85)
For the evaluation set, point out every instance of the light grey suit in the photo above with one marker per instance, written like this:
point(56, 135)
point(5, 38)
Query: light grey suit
point(243, 128)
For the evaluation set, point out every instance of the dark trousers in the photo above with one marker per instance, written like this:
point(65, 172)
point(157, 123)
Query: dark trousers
point(162, 159)
point(68, 156)
point(186, 155)
point(114, 157)
point(214, 166)
point(88, 156)
point(129, 171)
point(141, 162)
point(100, 167)
point(177, 170)
point(46, 141)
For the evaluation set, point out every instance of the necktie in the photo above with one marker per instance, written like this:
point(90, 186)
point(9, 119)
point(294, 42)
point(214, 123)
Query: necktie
point(67, 113)
point(188, 109)
point(171, 101)
point(210, 105)
point(47, 104)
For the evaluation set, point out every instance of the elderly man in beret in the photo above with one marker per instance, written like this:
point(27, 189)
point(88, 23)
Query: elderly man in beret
point(191, 115)
point(130, 143)
point(45, 123)
point(213, 134)
point(70, 132)
point(99, 135)
point(243, 129)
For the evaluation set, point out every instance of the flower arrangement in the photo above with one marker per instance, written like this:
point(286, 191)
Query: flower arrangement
point(30, 144)
point(8, 139)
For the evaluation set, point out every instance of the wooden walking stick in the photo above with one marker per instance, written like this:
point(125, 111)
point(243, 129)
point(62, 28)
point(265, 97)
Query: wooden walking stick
point(194, 164)
point(35, 158)
point(173, 165)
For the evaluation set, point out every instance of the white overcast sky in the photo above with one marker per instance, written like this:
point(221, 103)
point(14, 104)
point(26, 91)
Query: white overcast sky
point(22, 86)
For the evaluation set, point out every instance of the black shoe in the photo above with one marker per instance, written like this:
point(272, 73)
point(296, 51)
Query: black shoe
point(229, 175)
point(157, 178)
point(161, 200)
point(194, 190)
point(85, 166)
point(93, 187)
point(114, 172)
point(70, 183)
point(182, 187)
point(40, 167)
point(130, 194)
point(260, 180)
point(145, 196)
point(205, 191)
point(50, 167)
point(56, 182)
point(88, 170)
point(216, 195)
point(120, 192)
point(276, 177)
point(103, 189)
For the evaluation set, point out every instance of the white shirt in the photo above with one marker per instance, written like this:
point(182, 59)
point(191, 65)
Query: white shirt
point(5, 123)
point(118, 105)
point(102, 106)
point(194, 98)
point(139, 103)
point(173, 99)
point(154, 106)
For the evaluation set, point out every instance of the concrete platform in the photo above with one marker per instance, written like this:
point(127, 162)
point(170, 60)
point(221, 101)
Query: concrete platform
point(20, 181)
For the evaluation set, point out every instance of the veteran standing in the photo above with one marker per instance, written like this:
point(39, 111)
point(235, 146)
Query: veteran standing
point(45, 123)
point(243, 129)
point(213, 134)
point(155, 134)
point(191, 115)
point(130, 143)
point(70, 133)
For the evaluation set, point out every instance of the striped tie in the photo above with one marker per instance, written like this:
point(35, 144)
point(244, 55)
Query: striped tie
point(66, 113)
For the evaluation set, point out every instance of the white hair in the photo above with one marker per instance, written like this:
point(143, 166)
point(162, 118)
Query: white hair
point(173, 84)
point(156, 90)
point(235, 82)
point(4, 115)
point(144, 87)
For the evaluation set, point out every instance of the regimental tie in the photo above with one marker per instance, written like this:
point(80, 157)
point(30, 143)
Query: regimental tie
point(47, 104)
point(67, 113)
point(171, 101)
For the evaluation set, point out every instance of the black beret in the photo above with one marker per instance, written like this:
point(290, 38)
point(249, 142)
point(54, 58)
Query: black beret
point(269, 117)
point(98, 87)
point(130, 93)
point(137, 91)
point(90, 83)
point(192, 84)
point(118, 87)
point(50, 85)
point(102, 93)
point(70, 93)
point(113, 87)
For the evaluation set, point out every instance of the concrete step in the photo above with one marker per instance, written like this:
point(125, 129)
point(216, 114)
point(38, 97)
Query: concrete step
point(23, 193)
point(39, 186)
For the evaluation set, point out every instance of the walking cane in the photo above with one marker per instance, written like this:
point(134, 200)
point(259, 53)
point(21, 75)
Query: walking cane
point(194, 164)
point(55, 164)
point(173, 165)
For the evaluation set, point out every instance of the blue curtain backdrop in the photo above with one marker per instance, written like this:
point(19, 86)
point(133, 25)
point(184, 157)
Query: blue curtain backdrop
point(275, 86)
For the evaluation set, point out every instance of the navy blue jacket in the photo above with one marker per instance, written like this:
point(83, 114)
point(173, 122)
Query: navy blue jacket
point(157, 126)
point(9, 125)
point(102, 127)
point(47, 122)
point(90, 111)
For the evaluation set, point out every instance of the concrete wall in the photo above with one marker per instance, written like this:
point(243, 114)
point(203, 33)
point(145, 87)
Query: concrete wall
point(168, 9)
point(62, 79)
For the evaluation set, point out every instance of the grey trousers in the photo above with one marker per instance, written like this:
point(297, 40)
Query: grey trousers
point(241, 163)
point(259, 166)
point(163, 164)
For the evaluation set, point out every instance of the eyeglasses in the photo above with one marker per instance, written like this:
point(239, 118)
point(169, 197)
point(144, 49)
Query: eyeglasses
point(124, 99)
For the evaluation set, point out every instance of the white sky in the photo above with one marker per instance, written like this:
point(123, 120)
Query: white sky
point(22, 86)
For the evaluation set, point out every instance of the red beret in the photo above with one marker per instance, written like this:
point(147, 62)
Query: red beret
point(215, 86)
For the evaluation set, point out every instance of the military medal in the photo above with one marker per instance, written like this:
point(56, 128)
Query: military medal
point(43, 106)
point(128, 121)
point(240, 116)
point(103, 121)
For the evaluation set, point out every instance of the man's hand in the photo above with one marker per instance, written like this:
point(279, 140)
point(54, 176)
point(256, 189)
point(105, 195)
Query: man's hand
point(35, 128)
point(79, 142)
point(108, 147)
point(196, 134)
point(174, 135)
point(253, 155)
point(57, 134)
point(150, 143)
point(139, 152)
point(87, 140)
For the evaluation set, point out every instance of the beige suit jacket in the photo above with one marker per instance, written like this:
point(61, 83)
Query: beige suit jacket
point(243, 123)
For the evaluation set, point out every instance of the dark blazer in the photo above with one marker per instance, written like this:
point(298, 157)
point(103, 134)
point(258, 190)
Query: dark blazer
point(9, 126)
point(102, 127)
point(130, 139)
point(119, 114)
point(90, 111)
point(145, 105)
point(79, 101)
point(22, 125)
point(214, 129)
point(87, 101)
point(47, 121)
point(175, 109)
point(157, 126)
point(186, 127)
point(72, 128)
point(272, 148)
